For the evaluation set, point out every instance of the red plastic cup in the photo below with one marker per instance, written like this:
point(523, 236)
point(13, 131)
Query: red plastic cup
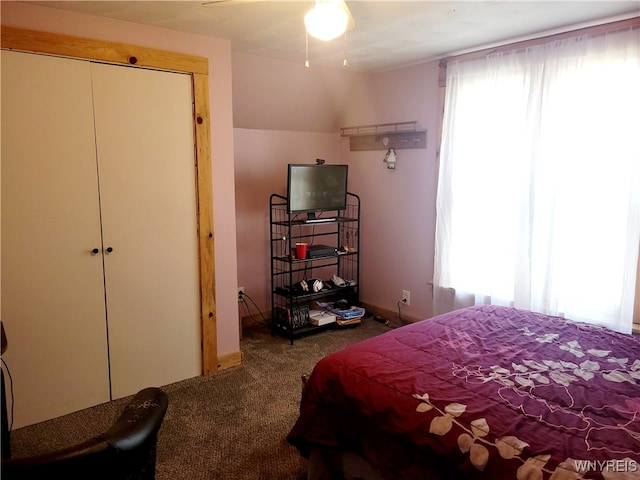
point(301, 251)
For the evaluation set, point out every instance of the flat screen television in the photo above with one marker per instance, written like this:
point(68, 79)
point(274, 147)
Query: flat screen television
point(316, 188)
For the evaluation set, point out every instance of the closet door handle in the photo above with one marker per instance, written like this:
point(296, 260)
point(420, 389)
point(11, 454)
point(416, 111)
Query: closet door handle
point(95, 251)
point(109, 249)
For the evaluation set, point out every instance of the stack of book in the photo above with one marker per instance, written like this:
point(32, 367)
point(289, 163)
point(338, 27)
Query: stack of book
point(344, 316)
point(297, 316)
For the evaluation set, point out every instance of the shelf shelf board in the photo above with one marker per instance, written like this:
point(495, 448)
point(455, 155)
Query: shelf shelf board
point(284, 258)
point(299, 223)
point(305, 297)
point(310, 328)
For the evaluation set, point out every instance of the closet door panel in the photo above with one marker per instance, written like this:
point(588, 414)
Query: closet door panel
point(145, 145)
point(52, 284)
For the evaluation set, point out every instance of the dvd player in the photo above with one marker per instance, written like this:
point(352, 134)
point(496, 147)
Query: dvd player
point(314, 251)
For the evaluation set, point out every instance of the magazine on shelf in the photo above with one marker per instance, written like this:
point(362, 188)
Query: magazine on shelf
point(349, 313)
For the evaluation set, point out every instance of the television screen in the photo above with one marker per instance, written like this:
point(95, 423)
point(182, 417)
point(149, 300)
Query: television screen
point(313, 187)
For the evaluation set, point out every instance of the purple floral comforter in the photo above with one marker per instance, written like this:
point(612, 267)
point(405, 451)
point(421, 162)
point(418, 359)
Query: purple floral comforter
point(482, 393)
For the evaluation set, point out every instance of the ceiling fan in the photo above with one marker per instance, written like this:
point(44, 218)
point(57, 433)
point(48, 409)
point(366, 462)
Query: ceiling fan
point(325, 20)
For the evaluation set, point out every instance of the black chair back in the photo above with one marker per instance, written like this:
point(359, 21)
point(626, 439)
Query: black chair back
point(126, 451)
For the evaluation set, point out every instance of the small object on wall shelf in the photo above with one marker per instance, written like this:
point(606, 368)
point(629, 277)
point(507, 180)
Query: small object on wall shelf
point(384, 136)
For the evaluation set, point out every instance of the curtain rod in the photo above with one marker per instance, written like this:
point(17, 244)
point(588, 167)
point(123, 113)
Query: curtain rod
point(593, 30)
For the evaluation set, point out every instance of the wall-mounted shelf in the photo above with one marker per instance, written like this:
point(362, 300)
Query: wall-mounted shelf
point(384, 136)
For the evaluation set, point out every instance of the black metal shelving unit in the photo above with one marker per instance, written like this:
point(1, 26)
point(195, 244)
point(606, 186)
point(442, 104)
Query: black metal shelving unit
point(289, 304)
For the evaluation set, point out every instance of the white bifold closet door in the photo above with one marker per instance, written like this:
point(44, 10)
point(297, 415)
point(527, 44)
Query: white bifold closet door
point(53, 304)
point(96, 158)
point(145, 144)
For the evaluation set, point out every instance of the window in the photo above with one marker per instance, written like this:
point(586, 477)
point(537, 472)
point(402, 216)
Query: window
point(539, 187)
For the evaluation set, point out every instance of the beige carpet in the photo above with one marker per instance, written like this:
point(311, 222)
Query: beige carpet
point(230, 426)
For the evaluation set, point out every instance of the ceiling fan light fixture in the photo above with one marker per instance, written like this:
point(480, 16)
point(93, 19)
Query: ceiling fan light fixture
point(328, 19)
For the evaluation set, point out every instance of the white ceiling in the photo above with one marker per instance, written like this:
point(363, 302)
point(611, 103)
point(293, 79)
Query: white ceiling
point(387, 34)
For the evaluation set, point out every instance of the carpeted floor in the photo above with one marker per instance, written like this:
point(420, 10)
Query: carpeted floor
point(230, 426)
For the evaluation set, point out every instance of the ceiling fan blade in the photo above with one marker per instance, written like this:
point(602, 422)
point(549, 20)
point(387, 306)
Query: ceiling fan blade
point(351, 23)
point(221, 3)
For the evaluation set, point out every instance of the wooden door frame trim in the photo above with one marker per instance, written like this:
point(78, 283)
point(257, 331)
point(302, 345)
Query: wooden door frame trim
point(143, 57)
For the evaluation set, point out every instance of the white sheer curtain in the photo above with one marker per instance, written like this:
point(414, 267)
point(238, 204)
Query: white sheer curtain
point(539, 186)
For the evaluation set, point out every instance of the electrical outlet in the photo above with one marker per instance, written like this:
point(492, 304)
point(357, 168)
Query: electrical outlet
point(406, 297)
point(240, 293)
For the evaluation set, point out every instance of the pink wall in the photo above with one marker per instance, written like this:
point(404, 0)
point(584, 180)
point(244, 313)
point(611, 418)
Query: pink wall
point(218, 52)
point(275, 95)
point(261, 169)
point(398, 207)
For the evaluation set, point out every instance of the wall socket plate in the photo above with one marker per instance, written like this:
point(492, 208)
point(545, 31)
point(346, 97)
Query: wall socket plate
point(406, 297)
point(240, 293)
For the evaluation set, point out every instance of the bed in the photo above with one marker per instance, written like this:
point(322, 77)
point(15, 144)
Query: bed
point(484, 392)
